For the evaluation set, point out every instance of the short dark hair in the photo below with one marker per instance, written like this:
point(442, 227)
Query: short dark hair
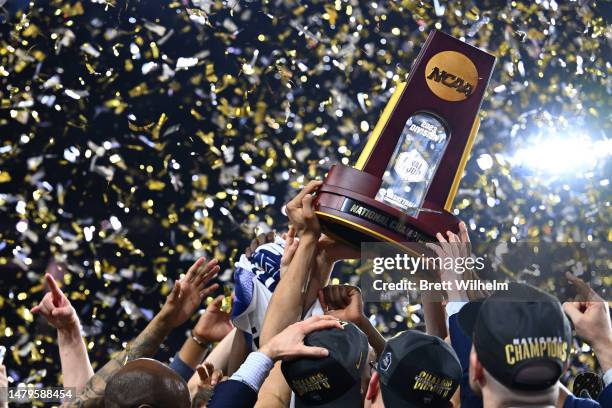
point(146, 382)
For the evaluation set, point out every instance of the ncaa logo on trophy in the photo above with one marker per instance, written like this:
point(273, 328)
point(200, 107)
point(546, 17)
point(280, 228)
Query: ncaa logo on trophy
point(452, 76)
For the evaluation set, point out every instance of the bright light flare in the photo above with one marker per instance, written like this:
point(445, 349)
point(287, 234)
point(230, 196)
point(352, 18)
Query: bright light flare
point(561, 154)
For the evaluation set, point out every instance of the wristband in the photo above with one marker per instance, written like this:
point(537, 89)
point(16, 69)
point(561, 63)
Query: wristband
point(203, 344)
point(198, 341)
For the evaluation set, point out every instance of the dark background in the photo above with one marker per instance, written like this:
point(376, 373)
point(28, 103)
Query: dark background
point(205, 157)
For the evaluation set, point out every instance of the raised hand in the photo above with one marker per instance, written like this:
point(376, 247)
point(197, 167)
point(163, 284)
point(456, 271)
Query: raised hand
point(590, 315)
point(56, 308)
point(458, 248)
point(287, 303)
point(301, 212)
point(289, 343)
point(181, 303)
point(188, 293)
point(214, 324)
point(343, 302)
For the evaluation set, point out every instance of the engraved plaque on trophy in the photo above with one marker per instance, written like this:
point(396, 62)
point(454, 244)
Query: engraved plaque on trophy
point(402, 187)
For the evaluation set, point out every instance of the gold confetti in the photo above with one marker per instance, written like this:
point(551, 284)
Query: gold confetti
point(128, 153)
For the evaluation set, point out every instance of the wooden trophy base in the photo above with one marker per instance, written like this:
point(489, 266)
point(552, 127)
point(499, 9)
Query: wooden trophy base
point(347, 210)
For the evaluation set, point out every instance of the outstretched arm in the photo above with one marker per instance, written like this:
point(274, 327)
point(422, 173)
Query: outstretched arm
point(458, 248)
point(56, 308)
point(182, 302)
point(212, 326)
point(76, 368)
point(287, 345)
point(591, 317)
point(145, 345)
point(287, 301)
point(329, 251)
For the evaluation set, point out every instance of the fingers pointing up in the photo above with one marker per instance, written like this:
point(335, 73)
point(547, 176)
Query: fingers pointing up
point(55, 290)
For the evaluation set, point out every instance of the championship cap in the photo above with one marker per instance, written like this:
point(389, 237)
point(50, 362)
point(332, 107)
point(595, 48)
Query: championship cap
point(418, 370)
point(335, 380)
point(521, 336)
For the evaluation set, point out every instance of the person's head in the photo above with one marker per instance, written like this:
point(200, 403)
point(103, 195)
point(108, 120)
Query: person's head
point(146, 383)
point(521, 346)
point(415, 370)
point(338, 380)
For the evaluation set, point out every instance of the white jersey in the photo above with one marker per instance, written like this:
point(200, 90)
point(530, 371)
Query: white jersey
point(255, 279)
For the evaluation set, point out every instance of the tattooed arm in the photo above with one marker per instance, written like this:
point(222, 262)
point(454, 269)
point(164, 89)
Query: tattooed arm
point(180, 305)
point(145, 345)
